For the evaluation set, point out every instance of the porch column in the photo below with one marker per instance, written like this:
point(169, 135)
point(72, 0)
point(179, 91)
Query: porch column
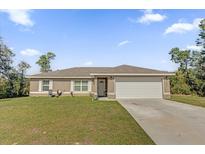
point(94, 87)
point(110, 88)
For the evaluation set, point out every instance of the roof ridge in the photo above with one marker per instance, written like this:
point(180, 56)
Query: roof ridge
point(132, 66)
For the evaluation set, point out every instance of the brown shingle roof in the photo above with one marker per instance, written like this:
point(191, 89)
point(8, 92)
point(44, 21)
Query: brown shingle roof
point(86, 71)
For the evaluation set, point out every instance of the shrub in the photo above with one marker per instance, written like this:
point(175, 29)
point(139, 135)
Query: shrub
point(179, 84)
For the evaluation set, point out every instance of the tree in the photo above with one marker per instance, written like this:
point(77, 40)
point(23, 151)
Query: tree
point(45, 61)
point(195, 83)
point(7, 72)
point(200, 62)
point(2, 88)
point(6, 56)
point(179, 84)
point(181, 57)
point(201, 40)
point(190, 77)
point(12, 81)
point(12, 85)
point(22, 67)
point(199, 58)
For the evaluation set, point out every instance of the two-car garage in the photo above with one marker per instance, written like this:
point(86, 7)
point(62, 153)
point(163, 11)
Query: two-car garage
point(138, 87)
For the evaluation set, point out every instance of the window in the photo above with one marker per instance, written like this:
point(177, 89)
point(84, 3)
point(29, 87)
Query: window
point(80, 85)
point(84, 85)
point(45, 85)
point(77, 86)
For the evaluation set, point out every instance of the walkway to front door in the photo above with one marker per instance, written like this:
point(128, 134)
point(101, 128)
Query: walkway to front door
point(102, 87)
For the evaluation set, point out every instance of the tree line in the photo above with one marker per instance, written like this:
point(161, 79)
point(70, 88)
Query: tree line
point(13, 82)
point(190, 76)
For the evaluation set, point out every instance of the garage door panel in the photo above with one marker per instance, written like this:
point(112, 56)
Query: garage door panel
point(139, 89)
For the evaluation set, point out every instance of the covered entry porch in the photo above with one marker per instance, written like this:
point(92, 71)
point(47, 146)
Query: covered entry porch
point(103, 87)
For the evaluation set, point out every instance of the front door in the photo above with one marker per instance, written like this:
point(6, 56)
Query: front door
point(102, 90)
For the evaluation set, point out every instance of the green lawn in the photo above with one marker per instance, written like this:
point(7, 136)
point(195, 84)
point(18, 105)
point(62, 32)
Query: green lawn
point(193, 100)
point(67, 120)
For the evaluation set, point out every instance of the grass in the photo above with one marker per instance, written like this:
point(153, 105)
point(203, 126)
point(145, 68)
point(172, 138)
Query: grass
point(193, 100)
point(67, 120)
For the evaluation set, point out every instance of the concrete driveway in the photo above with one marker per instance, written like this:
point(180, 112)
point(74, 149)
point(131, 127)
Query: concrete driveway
point(168, 122)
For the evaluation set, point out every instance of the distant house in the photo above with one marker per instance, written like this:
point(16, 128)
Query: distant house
point(123, 81)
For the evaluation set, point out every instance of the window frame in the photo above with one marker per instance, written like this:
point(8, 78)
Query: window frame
point(81, 85)
point(43, 85)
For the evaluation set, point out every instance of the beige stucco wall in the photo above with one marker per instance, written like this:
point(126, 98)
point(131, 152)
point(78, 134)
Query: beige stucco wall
point(166, 88)
point(138, 79)
point(64, 85)
point(94, 86)
point(61, 84)
point(111, 87)
point(34, 83)
point(111, 83)
point(64, 94)
point(38, 94)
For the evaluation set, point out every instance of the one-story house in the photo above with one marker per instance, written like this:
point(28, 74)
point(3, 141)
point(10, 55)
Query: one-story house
point(122, 81)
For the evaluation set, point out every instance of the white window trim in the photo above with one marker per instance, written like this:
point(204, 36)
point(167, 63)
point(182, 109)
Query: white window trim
point(50, 84)
point(40, 88)
point(89, 85)
point(73, 84)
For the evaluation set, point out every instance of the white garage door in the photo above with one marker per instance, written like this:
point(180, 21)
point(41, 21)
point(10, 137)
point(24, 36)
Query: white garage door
point(138, 87)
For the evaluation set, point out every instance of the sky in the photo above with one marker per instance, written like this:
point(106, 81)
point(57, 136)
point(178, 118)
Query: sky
point(94, 38)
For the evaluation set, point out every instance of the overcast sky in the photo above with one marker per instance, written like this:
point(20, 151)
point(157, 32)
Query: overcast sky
point(99, 37)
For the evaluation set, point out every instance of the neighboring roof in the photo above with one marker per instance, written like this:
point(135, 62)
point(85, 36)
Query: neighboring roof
point(88, 71)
